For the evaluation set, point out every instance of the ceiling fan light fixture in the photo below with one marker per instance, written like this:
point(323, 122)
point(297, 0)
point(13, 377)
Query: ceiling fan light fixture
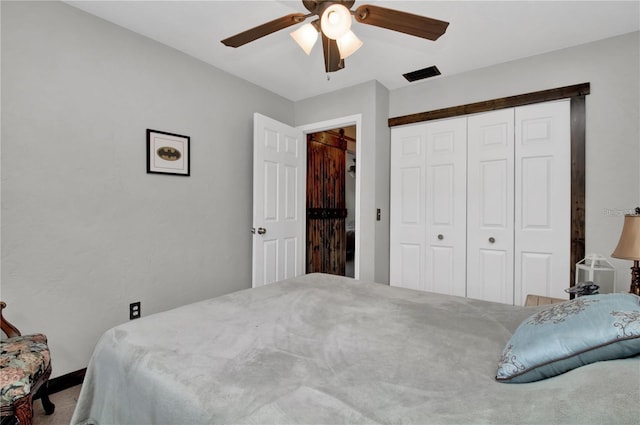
point(348, 44)
point(306, 37)
point(335, 21)
point(333, 18)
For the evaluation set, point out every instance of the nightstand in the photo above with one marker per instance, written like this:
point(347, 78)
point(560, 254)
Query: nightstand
point(533, 300)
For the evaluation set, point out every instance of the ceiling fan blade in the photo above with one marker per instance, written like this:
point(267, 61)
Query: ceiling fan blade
point(264, 29)
point(395, 20)
point(332, 61)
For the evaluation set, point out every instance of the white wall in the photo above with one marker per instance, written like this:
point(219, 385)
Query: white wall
point(350, 191)
point(369, 100)
point(85, 231)
point(612, 67)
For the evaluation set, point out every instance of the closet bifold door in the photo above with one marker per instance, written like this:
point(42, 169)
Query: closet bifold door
point(428, 207)
point(407, 207)
point(542, 200)
point(446, 209)
point(490, 206)
point(481, 204)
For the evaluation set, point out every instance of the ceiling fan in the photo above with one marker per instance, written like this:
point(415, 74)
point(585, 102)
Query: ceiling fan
point(333, 23)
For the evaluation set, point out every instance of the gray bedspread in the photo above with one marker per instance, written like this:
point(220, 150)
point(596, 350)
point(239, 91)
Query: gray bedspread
point(322, 349)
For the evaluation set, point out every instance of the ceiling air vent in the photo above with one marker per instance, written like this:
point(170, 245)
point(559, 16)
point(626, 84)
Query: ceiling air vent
point(421, 74)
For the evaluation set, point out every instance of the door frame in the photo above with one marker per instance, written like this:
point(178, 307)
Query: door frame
point(331, 124)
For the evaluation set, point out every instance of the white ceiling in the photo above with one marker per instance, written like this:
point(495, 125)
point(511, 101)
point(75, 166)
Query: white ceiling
point(480, 34)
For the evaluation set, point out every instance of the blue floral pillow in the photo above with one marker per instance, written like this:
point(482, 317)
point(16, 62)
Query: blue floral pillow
point(571, 334)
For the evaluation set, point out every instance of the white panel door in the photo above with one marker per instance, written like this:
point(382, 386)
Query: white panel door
point(278, 201)
point(490, 206)
point(542, 203)
point(446, 215)
point(407, 212)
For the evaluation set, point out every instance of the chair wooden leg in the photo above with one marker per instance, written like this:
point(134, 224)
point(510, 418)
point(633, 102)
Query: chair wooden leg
point(49, 407)
point(24, 411)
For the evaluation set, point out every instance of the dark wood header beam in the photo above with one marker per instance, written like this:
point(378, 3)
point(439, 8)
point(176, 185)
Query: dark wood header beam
point(492, 105)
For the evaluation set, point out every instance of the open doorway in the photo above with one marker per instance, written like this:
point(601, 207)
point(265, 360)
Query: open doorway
point(331, 201)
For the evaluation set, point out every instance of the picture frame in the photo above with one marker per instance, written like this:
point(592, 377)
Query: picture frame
point(168, 153)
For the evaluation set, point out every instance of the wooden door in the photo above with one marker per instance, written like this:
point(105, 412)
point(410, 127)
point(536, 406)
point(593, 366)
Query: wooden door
point(326, 206)
point(278, 201)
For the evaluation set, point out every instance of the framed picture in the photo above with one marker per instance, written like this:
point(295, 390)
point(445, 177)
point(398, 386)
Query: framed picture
point(167, 153)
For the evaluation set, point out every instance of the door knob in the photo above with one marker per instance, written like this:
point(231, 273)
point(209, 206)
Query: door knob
point(492, 239)
point(262, 230)
point(440, 237)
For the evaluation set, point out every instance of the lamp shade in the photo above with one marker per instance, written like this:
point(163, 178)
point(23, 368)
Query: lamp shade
point(629, 244)
point(306, 37)
point(335, 21)
point(348, 44)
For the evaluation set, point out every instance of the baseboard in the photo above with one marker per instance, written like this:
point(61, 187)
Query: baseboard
point(69, 380)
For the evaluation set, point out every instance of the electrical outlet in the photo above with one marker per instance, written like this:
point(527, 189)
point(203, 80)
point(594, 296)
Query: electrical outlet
point(134, 310)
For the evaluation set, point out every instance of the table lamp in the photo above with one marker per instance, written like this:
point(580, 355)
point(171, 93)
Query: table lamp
point(629, 247)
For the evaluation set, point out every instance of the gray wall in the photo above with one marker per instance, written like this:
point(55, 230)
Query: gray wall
point(85, 231)
point(612, 66)
point(370, 100)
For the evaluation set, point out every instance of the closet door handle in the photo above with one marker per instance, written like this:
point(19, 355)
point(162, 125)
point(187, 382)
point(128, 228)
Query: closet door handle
point(440, 237)
point(492, 239)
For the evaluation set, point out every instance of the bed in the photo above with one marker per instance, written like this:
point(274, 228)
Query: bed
point(322, 349)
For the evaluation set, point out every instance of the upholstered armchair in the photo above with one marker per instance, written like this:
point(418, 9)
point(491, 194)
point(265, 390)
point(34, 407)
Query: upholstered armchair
point(25, 366)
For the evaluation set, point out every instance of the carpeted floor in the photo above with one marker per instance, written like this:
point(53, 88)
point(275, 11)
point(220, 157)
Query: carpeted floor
point(65, 402)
